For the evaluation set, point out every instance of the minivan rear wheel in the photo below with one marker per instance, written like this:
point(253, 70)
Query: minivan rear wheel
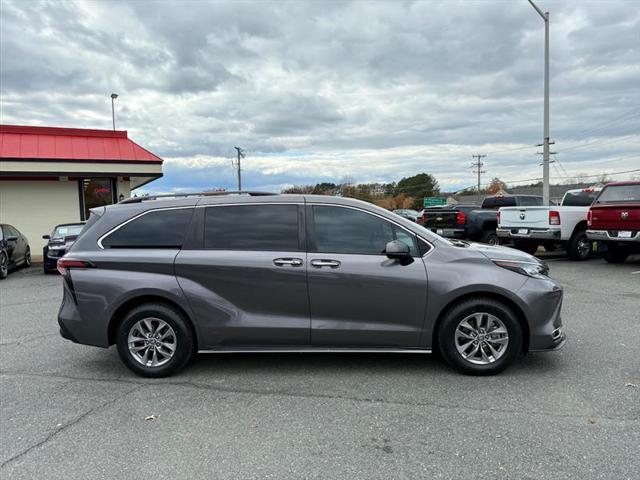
point(480, 337)
point(155, 340)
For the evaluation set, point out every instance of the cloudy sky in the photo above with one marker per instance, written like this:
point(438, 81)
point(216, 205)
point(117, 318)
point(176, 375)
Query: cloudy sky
point(323, 91)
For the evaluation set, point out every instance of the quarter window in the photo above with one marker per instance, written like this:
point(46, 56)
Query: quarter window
point(252, 227)
point(156, 229)
point(345, 230)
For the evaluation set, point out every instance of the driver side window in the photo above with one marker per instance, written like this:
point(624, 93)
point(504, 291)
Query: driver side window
point(350, 231)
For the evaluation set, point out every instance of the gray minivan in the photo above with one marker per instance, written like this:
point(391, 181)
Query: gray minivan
point(163, 278)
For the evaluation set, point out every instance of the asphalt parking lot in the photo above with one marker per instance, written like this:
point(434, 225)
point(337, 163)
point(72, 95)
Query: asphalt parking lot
point(70, 411)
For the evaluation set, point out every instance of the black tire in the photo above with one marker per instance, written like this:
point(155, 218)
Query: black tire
point(447, 340)
point(184, 337)
point(27, 258)
point(527, 247)
point(4, 266)
point(490, 237)
point(615, 254)
point(579, 247)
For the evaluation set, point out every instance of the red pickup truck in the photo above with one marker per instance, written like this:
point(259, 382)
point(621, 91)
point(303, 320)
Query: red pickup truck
point(614, 219)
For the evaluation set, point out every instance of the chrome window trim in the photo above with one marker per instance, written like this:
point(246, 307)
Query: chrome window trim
point(118, 227)
point(431, 246)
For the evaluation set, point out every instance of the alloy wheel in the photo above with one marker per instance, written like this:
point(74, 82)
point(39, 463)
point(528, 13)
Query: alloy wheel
point(583, 247)
point(481, 338)
point(152, 342)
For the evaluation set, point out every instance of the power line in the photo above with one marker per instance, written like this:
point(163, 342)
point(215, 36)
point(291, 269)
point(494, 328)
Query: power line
point(602, 142)
point(625, 116)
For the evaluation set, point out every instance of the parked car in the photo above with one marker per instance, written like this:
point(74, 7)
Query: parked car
point(471, 222)
point(60, 240)
point(614, 220)
point(164, 278)
point(564, 225)
point(412, 215)
point(14, 250)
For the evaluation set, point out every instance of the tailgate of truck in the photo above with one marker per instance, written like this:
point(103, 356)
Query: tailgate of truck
point(440, 218)
point(524, 217)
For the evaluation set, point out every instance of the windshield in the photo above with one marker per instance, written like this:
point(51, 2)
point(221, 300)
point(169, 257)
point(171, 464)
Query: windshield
point(66, 231)
point(579, 199)
point(620, 194)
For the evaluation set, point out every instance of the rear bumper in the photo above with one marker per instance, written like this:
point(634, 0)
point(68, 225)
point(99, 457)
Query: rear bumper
point(448, 232)
point(532, 234)
point(612, 236)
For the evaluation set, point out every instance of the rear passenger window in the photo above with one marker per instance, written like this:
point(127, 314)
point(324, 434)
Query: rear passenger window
point(156, 229)
point(252, 227)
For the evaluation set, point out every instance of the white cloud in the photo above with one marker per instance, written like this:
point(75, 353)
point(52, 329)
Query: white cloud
point(318, 91)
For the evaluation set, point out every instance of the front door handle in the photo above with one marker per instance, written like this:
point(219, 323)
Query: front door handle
point(281, 262)
point(319, 263)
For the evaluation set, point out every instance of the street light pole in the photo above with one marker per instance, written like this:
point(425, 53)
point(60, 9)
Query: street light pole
point(113, 109)
point(545, 140)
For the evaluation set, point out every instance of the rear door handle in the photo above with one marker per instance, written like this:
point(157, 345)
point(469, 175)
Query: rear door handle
point(281, 262)
point(319, 263)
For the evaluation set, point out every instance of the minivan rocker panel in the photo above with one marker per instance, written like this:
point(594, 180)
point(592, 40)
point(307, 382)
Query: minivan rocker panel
point(163, 278)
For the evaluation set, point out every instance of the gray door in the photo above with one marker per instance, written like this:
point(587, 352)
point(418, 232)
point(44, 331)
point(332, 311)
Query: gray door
point(247, 285)
point(358, 296)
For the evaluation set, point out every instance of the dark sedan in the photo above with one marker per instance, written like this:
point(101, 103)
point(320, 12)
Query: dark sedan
point(60, 241)
point(14, 250)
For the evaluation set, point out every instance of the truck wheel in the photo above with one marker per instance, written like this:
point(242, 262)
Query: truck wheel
point(480, 336)
point(490, 238)
point(527, 247)
point(579, 247)
point(615, 254)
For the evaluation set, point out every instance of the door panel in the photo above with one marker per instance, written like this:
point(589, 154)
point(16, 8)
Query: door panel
point(247, 284)
point(243, 298)
point(369, 300)
point(358, 296)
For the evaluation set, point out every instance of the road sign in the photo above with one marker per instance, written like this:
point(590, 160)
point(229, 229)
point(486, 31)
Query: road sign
point(434, 201)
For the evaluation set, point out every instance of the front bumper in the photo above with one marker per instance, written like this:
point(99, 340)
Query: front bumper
point(531, 234)
point(543, 298)
point(612, 236)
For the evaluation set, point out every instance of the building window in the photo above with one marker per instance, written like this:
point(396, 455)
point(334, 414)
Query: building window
point(96, 192)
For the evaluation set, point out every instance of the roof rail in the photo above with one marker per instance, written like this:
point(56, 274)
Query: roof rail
point(144, 198)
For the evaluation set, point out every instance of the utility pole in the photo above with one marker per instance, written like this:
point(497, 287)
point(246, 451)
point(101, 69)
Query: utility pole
point(240, 156)
point(113, 109)
point(478, 164)
point(545, 140)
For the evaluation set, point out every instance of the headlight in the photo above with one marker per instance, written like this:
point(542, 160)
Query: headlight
point(531, 269)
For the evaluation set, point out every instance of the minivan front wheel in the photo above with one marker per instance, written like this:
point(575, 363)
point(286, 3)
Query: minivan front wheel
point(480, 337)
point(155, 340)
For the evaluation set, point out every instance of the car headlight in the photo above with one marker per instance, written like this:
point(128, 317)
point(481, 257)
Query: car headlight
point(531, 269)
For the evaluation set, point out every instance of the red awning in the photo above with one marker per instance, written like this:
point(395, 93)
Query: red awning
point(71, 144)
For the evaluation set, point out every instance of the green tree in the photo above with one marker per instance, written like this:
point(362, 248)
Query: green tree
point(418, 187)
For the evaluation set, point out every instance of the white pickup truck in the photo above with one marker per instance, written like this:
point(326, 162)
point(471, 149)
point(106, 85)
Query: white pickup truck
point(565, 225)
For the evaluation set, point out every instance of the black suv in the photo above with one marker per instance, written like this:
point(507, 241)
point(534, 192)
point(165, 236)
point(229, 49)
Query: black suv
point(59, 242)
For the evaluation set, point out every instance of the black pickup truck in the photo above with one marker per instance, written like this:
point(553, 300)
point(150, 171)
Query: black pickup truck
point(471, 222)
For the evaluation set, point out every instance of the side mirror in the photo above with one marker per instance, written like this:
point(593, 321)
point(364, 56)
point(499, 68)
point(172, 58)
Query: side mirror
point(397, 250)
point(12, 238)
point(46, 237)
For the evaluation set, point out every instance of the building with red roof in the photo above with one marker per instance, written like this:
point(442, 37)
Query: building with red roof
point(54, 175)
